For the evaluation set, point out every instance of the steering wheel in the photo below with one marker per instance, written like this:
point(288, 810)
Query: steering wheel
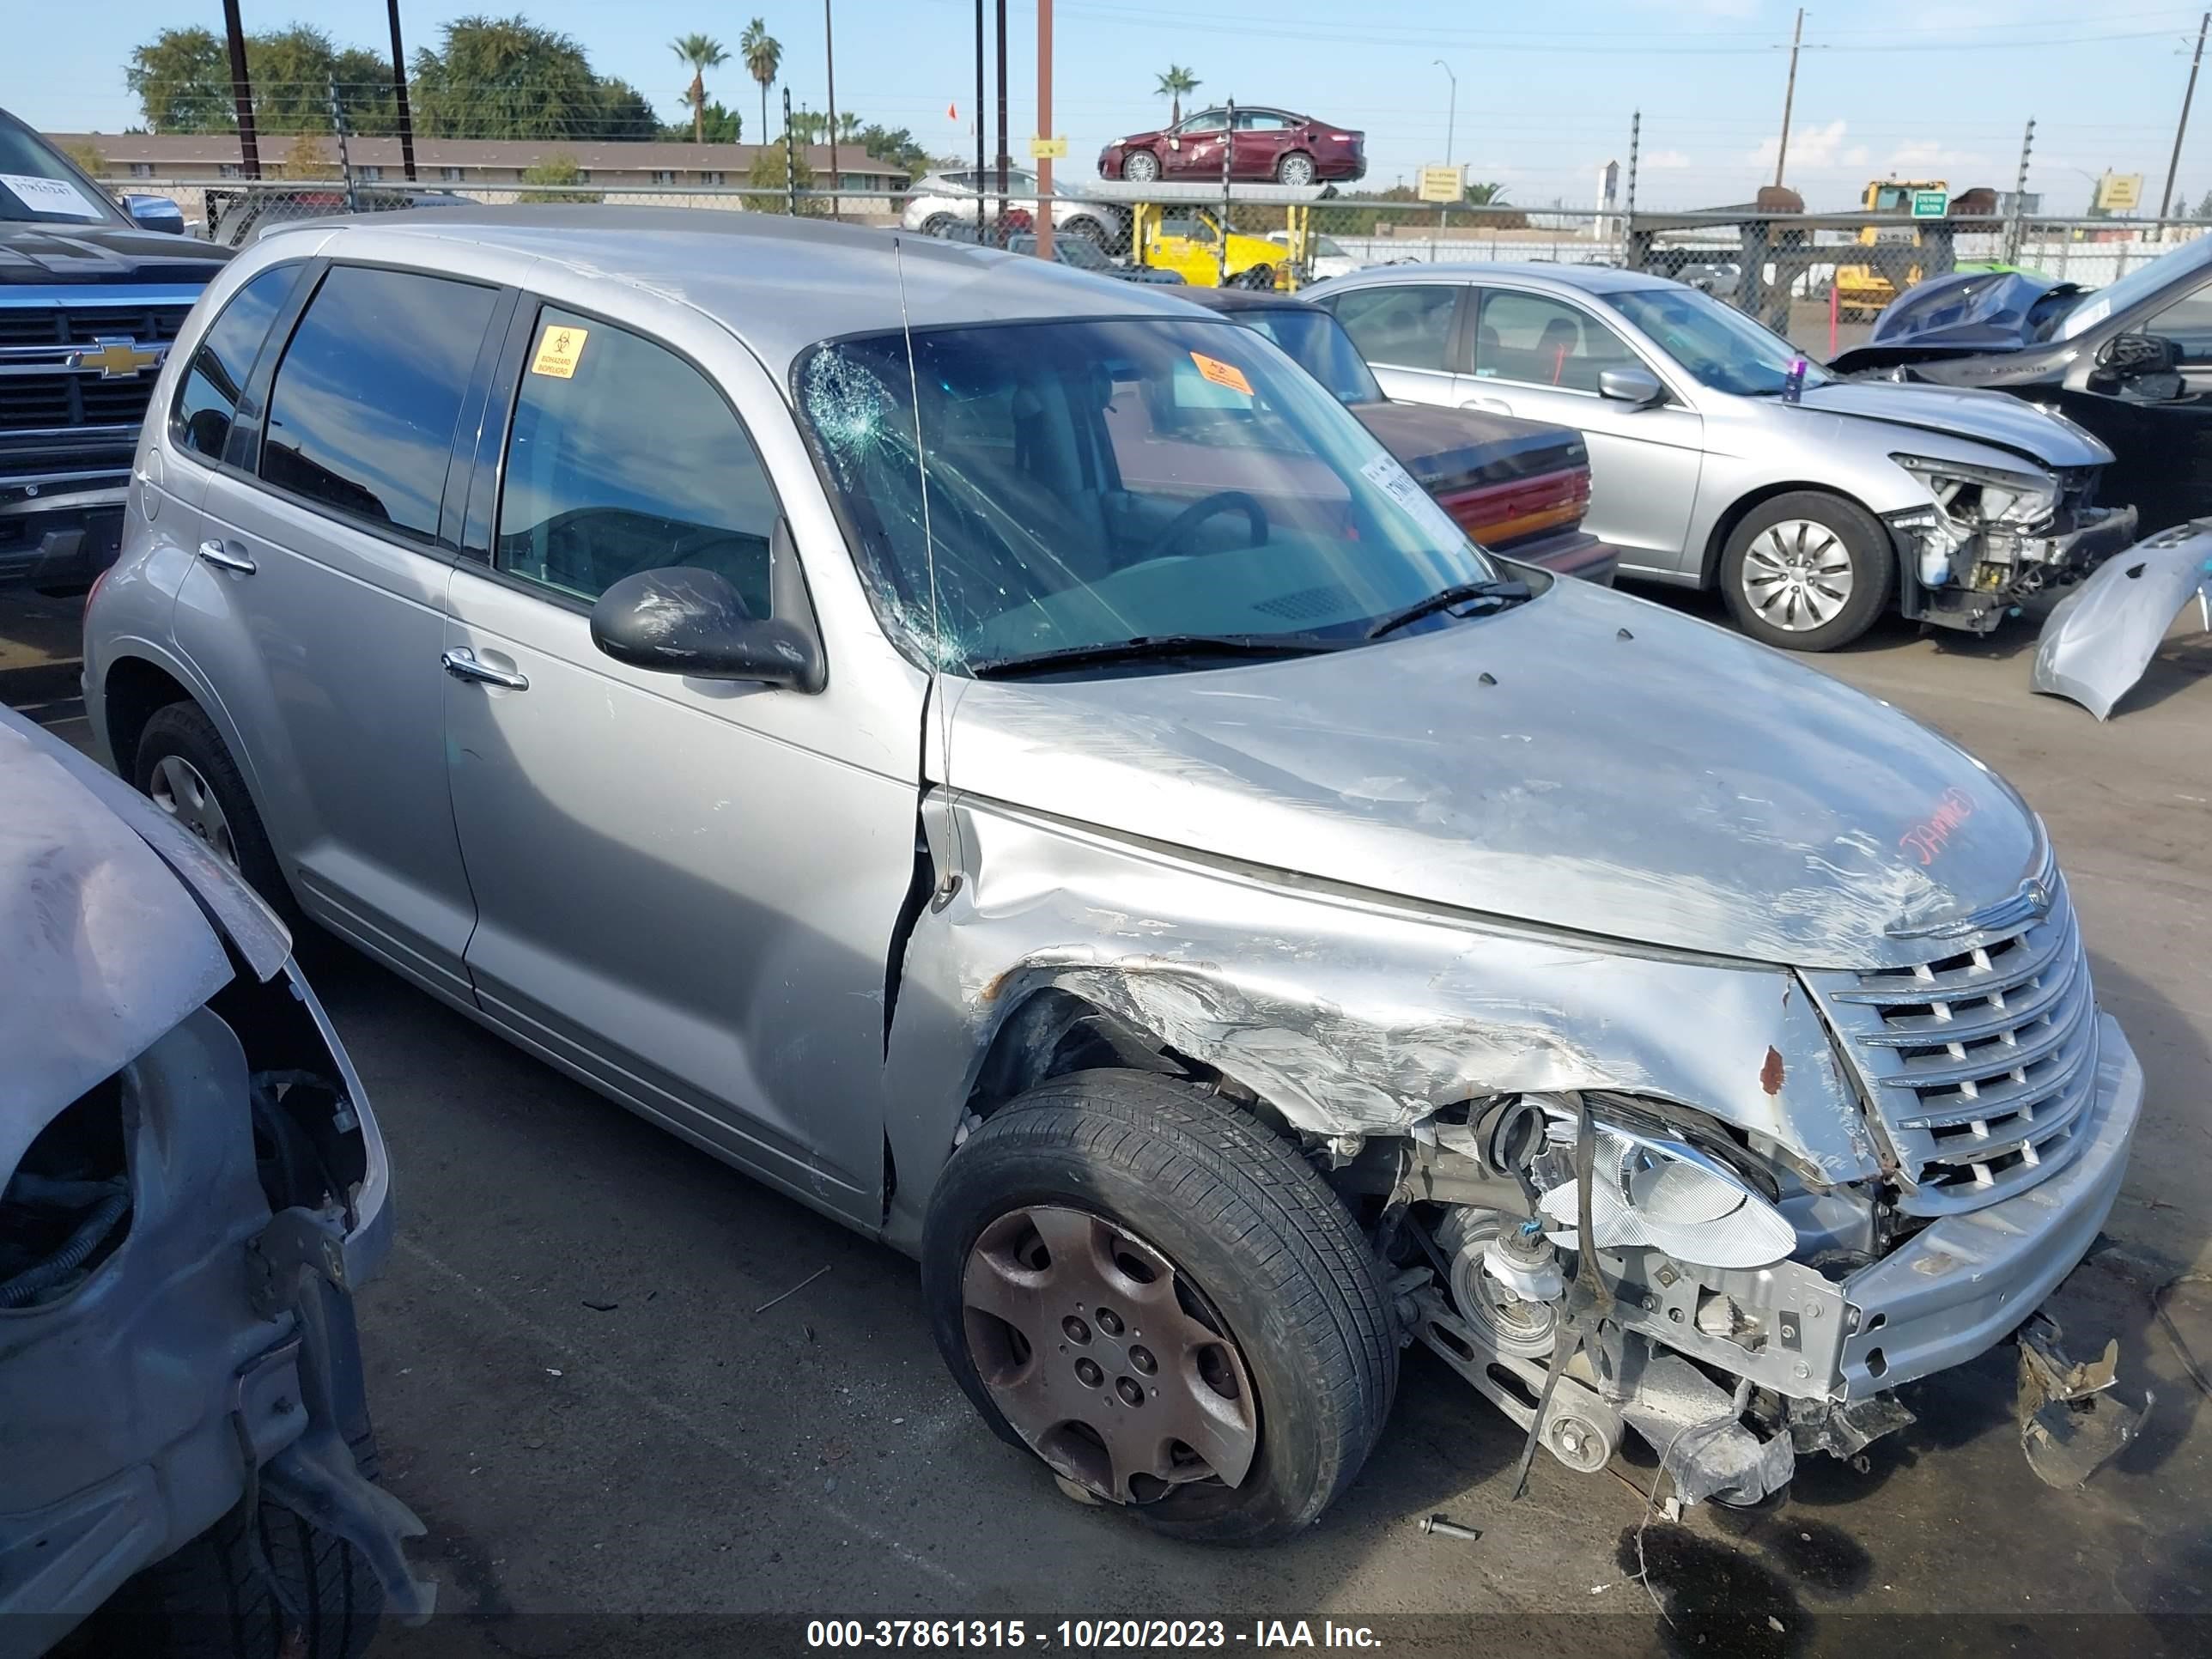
point(1222, 501)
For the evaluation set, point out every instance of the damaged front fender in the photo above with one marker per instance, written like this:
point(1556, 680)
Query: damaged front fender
point(1348, 1013)
point(2101, 636)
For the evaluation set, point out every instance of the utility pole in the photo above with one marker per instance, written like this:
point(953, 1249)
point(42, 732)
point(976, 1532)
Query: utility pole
point(1788, 97)
point(1000, 238)
point(399, 94)
point(1044, 128)
point(2013, 231)
point(1451, 109)
point(829, 53)
point(2182, 125)
point(242, 92)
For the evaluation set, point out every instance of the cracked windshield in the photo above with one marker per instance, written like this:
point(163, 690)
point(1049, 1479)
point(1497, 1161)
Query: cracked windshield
point(1097, 483)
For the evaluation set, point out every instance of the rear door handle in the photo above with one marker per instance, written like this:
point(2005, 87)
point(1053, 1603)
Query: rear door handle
point(462, 664)
point(221, 556)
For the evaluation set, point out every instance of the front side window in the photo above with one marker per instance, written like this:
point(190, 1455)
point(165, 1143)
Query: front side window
point(1086, 483)
point(1535, 341)
point(360, 418)
point(1714, 343)
point(1401, 326)
point(207, 398)
point(623, 457)
point(2188, 323)
point(1211, 120)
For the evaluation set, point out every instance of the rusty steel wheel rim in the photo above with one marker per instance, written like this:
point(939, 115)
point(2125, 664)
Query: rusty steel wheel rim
point(1105, 1359)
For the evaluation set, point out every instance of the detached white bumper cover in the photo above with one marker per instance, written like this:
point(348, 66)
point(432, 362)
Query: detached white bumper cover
point(1965, 1283)
point(2102, 635)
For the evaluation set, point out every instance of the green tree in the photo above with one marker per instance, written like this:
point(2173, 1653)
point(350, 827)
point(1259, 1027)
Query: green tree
point(895, 145)
point(504, 77)
point(309, 157)
point(849, 126)
point(2205, 206)
point(624, 111)
point(763, 57)
point(768, 173)
point(181, 79)
point(702, 52)
point(293, 71)
point(810, 126)
point(715, 126)
point(87, 155)
point(558, 168)
point(1485, 195)
point(1172, 86)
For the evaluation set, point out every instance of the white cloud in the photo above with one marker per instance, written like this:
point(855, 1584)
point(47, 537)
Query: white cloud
point(1813, 148)
point(1661, 160)
point(1929, 157)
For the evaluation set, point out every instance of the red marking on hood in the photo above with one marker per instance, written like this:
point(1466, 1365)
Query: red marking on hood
point(1928, 838)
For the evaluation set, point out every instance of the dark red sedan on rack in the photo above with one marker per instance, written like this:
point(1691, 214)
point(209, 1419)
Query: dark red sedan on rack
point(1273, 146)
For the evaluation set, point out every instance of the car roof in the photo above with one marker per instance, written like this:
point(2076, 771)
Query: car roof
point(1589, 279)
point(780, 283)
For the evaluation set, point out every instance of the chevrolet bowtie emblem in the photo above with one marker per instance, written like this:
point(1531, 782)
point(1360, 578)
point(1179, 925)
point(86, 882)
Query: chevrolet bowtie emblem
point(118, 360)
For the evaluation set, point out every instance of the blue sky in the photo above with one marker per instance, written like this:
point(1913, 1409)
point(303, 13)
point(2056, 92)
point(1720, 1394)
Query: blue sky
point(1924, 87)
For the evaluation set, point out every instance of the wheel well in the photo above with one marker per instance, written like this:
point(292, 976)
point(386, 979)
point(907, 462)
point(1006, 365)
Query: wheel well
point(1054, 1032)
point(135, 692)
point(1742, 508)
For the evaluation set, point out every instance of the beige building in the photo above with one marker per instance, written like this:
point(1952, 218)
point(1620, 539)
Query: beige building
point(468, 165)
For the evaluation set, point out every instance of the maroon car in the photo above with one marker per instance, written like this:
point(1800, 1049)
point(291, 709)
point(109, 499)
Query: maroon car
point(1273, 145)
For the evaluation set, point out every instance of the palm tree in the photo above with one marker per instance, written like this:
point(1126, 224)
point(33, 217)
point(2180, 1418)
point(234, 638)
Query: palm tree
point(1487, 195)
point(764, 56)
point(702, 52)
point(1175, 82)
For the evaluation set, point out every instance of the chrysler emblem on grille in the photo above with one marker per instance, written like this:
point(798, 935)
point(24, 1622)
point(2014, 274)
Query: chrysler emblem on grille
point(2026, 904)
point(117, 359)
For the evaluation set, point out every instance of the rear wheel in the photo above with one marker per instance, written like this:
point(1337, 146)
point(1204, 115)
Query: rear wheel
point(938, 224)
point(1141, 167)
point(1164, 1302)
point(1808, 571)
point(1296, 168)
point(183, 767)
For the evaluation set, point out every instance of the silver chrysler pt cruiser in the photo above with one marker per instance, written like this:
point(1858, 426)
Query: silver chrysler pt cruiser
point(1006, 759)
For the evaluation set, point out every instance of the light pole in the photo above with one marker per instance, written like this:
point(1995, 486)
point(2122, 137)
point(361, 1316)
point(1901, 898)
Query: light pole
point(1451, 111)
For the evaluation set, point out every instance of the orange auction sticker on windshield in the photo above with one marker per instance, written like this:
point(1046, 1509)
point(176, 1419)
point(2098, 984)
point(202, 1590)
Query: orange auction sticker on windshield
point(1222, 374)
point(559, 349)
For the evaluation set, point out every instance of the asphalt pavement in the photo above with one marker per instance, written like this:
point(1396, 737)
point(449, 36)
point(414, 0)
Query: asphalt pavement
point(645, 1405)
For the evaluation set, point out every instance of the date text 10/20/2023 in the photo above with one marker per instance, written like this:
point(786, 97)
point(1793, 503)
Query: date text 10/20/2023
point(1086, 1635)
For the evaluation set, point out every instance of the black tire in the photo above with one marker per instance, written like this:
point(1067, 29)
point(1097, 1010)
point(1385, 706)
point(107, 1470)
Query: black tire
point(182, 730)
point(211, 1600)
point(1261, 277)
point(1865, 544)
point(1242, 1216)
point(1141, 167)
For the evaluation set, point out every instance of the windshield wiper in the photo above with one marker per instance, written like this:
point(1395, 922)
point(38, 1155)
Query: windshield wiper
point(1147, 648)
point(1500, 594)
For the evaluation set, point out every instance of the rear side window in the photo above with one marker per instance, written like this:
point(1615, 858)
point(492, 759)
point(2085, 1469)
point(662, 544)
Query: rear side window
point(624, 458)
point(360, 418)
point(1401, 326)
point(207, 400)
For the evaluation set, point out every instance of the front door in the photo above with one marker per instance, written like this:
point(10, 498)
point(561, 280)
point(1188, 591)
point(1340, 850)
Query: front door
point(2158, 425)
point(671, 874)
point(1194, 148)
point(318, 612)
point(1539, 358)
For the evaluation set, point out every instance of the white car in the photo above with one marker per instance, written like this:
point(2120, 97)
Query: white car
point(939, 201)
point(1324, 258)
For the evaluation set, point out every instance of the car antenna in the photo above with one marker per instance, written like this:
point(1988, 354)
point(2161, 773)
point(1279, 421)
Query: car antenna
point(936, 692)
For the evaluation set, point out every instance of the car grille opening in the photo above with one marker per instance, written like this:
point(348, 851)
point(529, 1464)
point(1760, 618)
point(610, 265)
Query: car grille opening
point(47, 394)
point(1980, 1064)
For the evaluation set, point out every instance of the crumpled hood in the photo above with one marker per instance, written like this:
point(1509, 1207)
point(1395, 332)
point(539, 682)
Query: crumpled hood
point(37, 252)
point(1971, 413)
point(1988, 311)
point(1586, 761)
point(102, 946)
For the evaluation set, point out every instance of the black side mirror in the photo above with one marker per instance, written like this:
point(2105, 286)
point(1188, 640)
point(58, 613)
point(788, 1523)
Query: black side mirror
point(687, 621)
point(1639, 386)
point(155, 213)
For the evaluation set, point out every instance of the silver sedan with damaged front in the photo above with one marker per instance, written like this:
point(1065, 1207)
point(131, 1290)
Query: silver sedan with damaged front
point(1010, 761)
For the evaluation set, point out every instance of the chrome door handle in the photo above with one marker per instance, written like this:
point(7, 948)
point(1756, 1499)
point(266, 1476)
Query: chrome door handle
point(223, 559)
point(461, 663)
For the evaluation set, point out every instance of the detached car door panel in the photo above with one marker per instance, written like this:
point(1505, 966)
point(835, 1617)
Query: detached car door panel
point(318, 614)
point(664, 868)
point(1540, 358)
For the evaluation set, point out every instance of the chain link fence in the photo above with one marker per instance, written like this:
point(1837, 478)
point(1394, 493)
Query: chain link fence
point(1819, 279)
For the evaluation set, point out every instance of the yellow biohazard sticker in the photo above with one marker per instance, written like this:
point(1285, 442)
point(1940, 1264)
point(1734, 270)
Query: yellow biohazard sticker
point(1221, 374)
point(559, 349)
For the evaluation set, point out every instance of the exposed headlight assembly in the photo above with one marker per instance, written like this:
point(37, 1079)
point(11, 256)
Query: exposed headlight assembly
point(1980, 495)
point(1646, 1190)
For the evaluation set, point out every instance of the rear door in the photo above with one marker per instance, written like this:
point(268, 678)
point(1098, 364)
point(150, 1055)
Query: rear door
point(1408, 332)
point(1538, 356)
point(316, 611)
point(1261, 137)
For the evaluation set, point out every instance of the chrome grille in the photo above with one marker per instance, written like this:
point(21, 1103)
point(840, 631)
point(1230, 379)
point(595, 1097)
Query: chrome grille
point(1979, 1065)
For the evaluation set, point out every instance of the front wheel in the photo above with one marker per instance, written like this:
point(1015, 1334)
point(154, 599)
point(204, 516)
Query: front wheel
point(183, 767)
point(1253, 276)
point(1135, 1280)
point(1808, 571)
point(1141, 167)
